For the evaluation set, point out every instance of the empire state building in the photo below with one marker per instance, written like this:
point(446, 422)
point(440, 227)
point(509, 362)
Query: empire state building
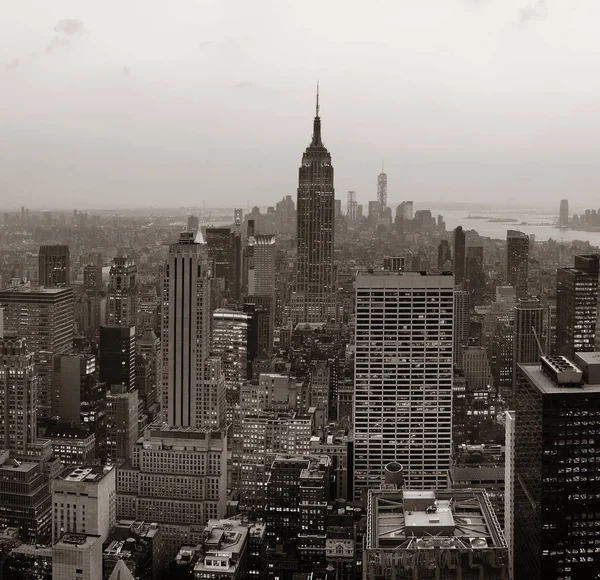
point(314, 297)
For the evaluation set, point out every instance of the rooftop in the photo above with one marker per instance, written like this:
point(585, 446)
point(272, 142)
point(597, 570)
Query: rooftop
point(77, 540)
point(537, 377)
point(224, 542)
point(91, 474)
point(413, 519)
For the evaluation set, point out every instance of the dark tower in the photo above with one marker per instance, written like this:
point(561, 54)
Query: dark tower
point(53, 266)
point(459, 255)
point(314, 300)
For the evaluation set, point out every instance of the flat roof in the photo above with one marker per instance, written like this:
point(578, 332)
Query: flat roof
point(590, 358)
point(448, 518)
point(85, 474)
point(535, 375)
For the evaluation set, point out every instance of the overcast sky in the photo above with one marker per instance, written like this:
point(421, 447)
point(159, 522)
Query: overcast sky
point(154, 102)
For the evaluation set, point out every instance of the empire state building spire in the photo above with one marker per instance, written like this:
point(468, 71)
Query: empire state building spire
point(316, 139)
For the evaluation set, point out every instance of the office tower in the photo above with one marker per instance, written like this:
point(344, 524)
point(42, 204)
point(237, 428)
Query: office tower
point(77, 556)
point(18, 396)
point(517, 261)
point(314, 300)
point(53, 266)
point(432, 534)
point(408, 210)
point(351, 206)
point(576, 306)
point(26, 502)
point(259, 284)
point(122, 429)
point(557, 468)
point(225, 257)
point(509, 490)
point(382, 189)
point(84, 500)
point(288, 532)
point(71, 444)
point(461, 324)
point(529, 315)
point(80, 397)
point(474, 274)
point(149, 347)
point(44, 318)
point(116, 356)
point(122, 292)
point(264, 435)
point(180, 494)
point(535, 277)
point(395, 314)
point(92, 279)
point(460, 255)
point(476, 367)
point(193, 224)
point(563, 214)
point(444, 256)
point(238, 219)
point(549, 329)
point(185, 331)
point(231, 336)
point(375, 211)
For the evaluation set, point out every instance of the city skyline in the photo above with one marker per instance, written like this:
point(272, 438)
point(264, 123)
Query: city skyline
point(464, 120)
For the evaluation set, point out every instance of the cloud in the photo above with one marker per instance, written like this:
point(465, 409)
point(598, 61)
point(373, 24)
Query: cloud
point(14, 63)
point(532, 12)
point(64, 32)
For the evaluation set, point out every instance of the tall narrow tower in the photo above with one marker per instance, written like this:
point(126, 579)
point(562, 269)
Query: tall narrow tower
point(314, 300)
point(517, 261)
point(382, 189)
point(185, 332)
point(122, 292)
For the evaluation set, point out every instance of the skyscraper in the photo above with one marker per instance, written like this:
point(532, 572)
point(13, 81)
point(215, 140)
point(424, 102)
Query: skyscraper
point(461, 324)
point(122, 291)
point(563, 215)
point(18, 395)
point(225, 255)
point(314, 300)
point(517, 261)
point(474, 274)
point(557, 469)
point(44, 317)
point(116, 352)
point(528, 330)
point(351, 207)
point(444, 256)
point(460, 256)
point(403, 376)
point(577, 305)
point(53, 266)
point(382, 189)
point(185, 331)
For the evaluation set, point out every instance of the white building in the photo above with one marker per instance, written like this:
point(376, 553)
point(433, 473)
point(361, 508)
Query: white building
point(403, 377)
point(84, 501)
point(77, 556)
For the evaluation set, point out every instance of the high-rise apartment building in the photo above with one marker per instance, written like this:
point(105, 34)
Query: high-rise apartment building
point(18, 396)
point(44, 317)
point(122, 292)
point(314, 299)
point(577, 306)
point(403, 376)
point(517, 261)
point(557, 469)
point(53, 266)
point(185, 331)
point(382, 189)
point(563, 214)
point(460, 255)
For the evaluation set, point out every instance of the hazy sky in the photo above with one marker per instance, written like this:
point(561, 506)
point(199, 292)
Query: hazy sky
point(129, 102)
